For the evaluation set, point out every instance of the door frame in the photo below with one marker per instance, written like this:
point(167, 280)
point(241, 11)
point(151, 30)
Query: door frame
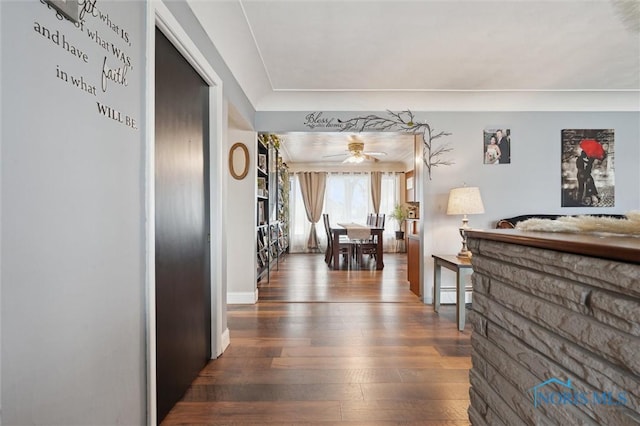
point(158, 15)
point(419, 176)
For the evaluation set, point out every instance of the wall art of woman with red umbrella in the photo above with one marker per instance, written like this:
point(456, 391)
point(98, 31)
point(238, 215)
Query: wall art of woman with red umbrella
point(587, 167)
point(591, 150)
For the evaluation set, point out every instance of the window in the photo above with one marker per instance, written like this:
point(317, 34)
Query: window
point(347, 199)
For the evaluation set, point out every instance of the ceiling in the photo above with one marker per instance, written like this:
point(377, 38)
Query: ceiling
point(331, 148)
point(391, 54)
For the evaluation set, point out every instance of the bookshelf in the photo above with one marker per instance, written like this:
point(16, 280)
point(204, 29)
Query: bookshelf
point(272, 199)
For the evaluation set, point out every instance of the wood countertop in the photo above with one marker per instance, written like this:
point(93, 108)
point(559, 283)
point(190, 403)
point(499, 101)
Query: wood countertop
point(605, 246)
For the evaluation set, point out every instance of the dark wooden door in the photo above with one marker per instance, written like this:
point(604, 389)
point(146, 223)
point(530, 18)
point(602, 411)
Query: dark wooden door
point(183, 303)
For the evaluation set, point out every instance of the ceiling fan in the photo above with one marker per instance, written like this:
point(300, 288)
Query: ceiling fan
point(357, 154)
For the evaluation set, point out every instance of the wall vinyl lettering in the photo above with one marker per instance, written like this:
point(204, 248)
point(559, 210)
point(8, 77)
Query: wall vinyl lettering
point(244, 160)
point(78, 25)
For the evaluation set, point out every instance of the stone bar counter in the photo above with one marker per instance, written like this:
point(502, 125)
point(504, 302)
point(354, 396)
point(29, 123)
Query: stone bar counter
point(556, 329)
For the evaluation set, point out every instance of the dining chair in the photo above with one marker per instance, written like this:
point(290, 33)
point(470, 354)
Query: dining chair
point(369, 247)
point(346, 246)
point(371, 219)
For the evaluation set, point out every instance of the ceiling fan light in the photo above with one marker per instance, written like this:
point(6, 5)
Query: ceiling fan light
point(354, 159)
point(356, 146)
point(357, 153)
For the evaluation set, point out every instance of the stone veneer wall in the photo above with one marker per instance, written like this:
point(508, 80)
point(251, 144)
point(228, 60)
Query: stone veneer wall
point(539, 314)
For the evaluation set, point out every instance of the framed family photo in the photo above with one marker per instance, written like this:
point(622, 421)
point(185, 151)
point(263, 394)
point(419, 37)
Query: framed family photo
point(497, 146)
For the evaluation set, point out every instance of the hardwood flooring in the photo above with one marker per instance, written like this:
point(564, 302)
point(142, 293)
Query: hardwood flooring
point(323, 347)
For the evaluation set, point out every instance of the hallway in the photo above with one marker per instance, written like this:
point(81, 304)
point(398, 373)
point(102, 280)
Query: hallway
point(334, 347)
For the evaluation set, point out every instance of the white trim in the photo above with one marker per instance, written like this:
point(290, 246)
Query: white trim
point(599, 101)
point(158, 15)
point(1, 139)
point(415, 90)
point(150, 260)
point(448, 296)
point(419, 184)
point(242, 297)
point(226, 339)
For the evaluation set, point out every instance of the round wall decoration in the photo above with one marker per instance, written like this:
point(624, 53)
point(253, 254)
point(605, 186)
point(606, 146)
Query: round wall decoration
point(244, 161)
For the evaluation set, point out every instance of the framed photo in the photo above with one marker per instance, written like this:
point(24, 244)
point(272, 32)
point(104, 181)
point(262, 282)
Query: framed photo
point(262, 162)
point(496, 146)
point(262, 187)
point(261, 214)
point(587, 168)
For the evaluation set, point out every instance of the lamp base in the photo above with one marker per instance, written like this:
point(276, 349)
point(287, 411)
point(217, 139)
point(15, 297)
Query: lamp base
point(464, 254)
point(464, 251)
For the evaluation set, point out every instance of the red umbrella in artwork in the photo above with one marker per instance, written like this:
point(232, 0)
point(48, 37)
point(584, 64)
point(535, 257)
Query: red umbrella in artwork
point(592, 148)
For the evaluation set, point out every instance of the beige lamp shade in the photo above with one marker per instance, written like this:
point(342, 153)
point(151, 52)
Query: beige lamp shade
point(465, 200)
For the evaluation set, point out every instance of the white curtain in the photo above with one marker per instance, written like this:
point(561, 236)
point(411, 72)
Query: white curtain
point(347, 199)
point(390, 196)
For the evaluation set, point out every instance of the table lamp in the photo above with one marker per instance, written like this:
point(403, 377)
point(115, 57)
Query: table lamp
point(464, 201)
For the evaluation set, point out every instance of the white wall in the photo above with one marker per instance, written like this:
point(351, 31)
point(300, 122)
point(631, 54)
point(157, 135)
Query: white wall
point(241, 224)
point(530, 184)
point(72, 336)
point(72, 219)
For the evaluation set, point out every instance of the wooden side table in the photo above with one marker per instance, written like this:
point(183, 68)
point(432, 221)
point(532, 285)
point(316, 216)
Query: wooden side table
point(462, 268)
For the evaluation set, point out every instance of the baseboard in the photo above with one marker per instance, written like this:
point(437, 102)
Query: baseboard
point(226, 340)
point(242, 297)
point(449, 298)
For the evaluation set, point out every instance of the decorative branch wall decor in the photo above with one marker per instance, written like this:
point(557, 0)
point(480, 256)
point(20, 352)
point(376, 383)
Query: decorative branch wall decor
point(404, 121)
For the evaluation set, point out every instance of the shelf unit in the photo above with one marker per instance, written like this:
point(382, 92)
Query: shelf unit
point(272, 198)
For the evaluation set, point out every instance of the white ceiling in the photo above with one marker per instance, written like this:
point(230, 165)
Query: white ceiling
point(354, 54)
point(331, 148)
point(328, 46)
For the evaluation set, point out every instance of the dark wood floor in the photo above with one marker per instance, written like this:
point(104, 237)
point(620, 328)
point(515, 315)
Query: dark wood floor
point(306, 278)
point(334, 348)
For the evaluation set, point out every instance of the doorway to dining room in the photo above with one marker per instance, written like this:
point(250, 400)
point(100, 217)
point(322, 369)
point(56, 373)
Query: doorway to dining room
point(351, 188)
point(348, 196)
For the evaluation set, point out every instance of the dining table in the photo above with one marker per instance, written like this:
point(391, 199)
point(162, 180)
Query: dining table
point(355, 232)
